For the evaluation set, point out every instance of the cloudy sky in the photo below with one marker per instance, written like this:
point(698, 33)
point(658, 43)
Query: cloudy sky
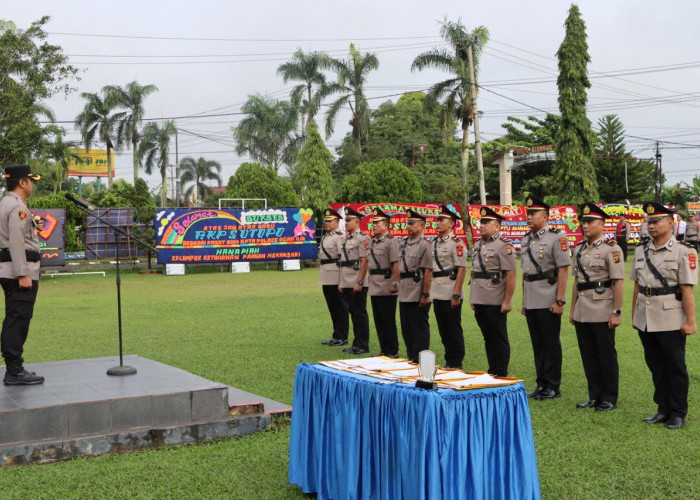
point(206, 57)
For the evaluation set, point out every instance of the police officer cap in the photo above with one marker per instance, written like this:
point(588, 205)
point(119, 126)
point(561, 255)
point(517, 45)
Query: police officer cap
point(330, 214)
point(656, 211)
point(445, 212)
point(534, 204)
point(414, 216)
point(590, 211)
point(20, 172)
point(488, 214)
point(350, 213)
point(379, 215)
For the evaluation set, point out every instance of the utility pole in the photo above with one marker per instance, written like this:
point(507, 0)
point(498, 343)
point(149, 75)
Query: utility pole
point(659, 175)
point(177, 173)
point(477, 133)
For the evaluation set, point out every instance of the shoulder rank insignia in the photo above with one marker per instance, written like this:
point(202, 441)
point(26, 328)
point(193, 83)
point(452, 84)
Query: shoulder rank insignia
point(610, 242)
point(554, 230)
point(581, 242)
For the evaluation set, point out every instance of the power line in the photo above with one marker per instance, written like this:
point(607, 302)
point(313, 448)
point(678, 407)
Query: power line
point(196, 39)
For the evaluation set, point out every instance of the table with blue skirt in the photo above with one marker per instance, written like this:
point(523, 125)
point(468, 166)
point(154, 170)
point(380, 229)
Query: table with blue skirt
point(353, 437)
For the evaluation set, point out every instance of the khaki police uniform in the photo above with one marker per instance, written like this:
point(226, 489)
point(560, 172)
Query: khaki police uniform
point(19, 257)
point(354, 247)
point(596, 267)
point(658, 316)
point(329, 279)
point(542, 253)
point(384, 252)
point(492, 257)
point(691, 232)
point(415, 257)
point(449, 253)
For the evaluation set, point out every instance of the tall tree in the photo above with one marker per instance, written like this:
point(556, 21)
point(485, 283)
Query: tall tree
point(96, 121)
point(154, 152)
point(382, 180)
point(31, 72)
point(454, 94)
point(574, 176)
point(308, 69)
point(60, 154)
point(314, 181)
point(195, 172)
point(267, 132)
point(620, 175)
point(350, 85)
point(131, 99)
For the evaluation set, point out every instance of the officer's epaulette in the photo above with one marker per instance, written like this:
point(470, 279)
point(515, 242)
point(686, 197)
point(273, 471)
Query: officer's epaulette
point(581, 242)
point(644, 239)
point(554, 230)
point(506, 240)
point(362, 233)
point(529, 233)
point(389, 235)
point(610, 242)
point(429, 238)
point(456, 238)
point(688, 244)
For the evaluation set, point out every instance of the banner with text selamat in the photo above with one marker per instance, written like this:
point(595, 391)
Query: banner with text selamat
point(209, 235)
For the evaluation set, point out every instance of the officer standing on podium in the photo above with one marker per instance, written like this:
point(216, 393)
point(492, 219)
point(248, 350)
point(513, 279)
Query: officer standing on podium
point(353, 285)
point(491, 289)
point(449, 269)
point(596, 301)
point(20, 261)
point(665, 271)
point(329, 277)
point(545, 261)
point(384, 283)
point(416, 271)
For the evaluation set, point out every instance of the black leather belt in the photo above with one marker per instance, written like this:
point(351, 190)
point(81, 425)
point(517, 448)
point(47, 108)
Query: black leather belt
point(442, 274)
point(329, 261)
point(481, 275)
point(411, 274)
point(385, 272)
point(649, 291)
point(590, 285)
point(30, 255)
point(349, 263)
point(546, 275)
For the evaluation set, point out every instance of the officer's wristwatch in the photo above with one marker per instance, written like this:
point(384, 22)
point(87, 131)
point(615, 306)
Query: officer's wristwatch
point(560, 302)
point(456, 296)
point(617, 312)
point(426, 295)
point(361, 283)
point(395, 284)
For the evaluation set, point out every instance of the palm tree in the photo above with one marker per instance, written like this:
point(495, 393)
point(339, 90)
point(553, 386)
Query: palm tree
point(95, 121)
point(59, 155)
point(194, 172)
point(306, 68)
point(352, 75)
point(454, 94)
point(154, 151)
point(130, 98)
point(266, 133)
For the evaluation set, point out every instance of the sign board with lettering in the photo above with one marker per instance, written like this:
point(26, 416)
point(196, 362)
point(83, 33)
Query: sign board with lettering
point(94, 163)
point(209, 235)
point(52, 239)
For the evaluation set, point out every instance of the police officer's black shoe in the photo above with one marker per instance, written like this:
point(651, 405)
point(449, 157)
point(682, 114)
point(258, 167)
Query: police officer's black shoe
point(355, 350)
point(588, 404)
point(675, 423)
point(535, 392)
point(605, 406)
point(658, 418)
point(334, 342)
point(22, 377)
point(547, 394)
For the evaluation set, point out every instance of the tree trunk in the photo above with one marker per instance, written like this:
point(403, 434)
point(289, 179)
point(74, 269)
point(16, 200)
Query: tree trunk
point(163, 186)
point(196, 191)
point(465, 161)
point(109, 165)
point(135, 144)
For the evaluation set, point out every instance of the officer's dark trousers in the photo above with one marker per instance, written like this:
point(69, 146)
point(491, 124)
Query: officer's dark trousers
point(597, 345)
point(494, 328)
point(338, 310)
point(357, 305)
point(664, 353)
point(415, 328)
point(449, 323)
point(623, 245)
point(544, 329)
point(19, 308)
point(384, 313)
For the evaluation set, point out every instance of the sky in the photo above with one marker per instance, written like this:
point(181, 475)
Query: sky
point(207, 57)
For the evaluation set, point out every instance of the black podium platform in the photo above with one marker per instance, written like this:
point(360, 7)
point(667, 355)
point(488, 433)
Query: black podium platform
point(80, 410)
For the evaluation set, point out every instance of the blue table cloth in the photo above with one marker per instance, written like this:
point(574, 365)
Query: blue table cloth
point(354, 438)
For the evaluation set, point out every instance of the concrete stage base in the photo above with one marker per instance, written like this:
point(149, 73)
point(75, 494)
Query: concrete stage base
point(81, 411)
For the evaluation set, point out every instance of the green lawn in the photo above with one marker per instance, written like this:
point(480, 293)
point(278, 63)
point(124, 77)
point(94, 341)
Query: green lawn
point(251, 330)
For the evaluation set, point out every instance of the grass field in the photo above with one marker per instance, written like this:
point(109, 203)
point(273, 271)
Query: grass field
point(251, 330)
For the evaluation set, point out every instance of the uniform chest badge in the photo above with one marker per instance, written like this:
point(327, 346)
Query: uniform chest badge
point(22, 214)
